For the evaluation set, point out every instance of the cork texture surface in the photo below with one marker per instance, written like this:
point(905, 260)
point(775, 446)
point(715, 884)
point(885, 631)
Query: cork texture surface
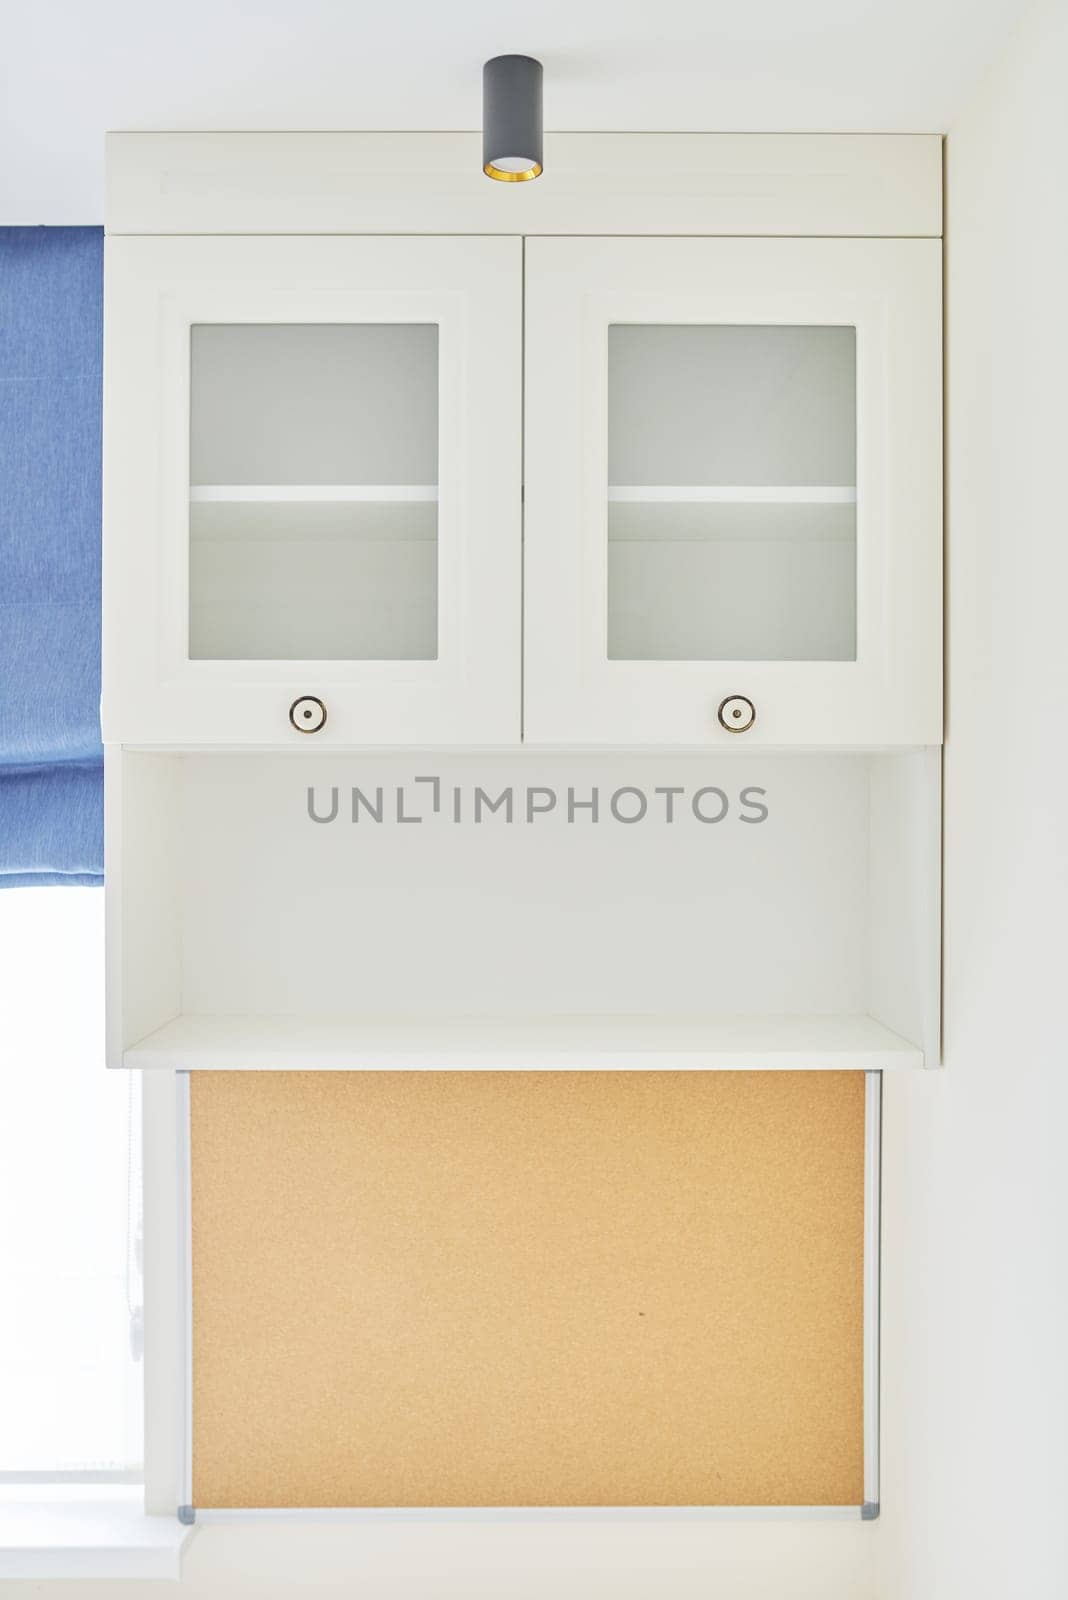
point(527, 1289)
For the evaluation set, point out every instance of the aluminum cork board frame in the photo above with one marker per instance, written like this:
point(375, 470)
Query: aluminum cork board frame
point(465, 1511)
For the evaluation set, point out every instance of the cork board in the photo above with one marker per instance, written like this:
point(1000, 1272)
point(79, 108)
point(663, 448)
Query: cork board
point(527, 1289)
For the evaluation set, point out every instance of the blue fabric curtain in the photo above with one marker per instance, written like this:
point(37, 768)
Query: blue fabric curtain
point(51, 760)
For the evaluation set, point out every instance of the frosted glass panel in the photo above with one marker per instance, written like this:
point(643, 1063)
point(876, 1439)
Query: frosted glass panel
point(313, 512)
point(732, 493)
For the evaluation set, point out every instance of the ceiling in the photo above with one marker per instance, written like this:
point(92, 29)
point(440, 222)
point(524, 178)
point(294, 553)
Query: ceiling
point(75, 68)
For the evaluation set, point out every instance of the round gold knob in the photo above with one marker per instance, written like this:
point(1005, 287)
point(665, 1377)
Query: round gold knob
point(308, 714)
point(737, 714)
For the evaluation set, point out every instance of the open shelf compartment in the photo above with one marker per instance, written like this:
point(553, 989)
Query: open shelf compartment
point(254, 924)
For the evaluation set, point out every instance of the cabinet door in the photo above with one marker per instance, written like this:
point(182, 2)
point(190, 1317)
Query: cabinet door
point(733, 491)
point(313, 490)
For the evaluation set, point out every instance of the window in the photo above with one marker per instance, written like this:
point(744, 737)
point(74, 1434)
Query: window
point(70, 1188)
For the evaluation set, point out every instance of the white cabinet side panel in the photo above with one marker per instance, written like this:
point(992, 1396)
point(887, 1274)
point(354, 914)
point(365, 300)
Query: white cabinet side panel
point(905, 887)
point(166, 1298)
point(142, 890)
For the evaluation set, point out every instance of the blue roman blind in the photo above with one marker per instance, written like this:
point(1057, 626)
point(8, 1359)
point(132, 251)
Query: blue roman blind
point(51, 760)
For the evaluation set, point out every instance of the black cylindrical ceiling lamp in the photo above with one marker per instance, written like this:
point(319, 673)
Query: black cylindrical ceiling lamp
point(511, 118)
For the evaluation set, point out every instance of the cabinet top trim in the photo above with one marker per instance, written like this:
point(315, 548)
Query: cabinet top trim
point(801, 185)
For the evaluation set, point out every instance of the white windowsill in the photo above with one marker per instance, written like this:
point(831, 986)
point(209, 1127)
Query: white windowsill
point(85, 1531)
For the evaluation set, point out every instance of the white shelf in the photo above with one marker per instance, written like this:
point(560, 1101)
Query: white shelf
point(316, 525)
point(62, 1531)
point(731, 494)
point(306, 493)
point(574, 1043)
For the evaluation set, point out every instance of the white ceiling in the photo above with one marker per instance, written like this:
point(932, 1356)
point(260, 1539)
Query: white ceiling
point(75, 68)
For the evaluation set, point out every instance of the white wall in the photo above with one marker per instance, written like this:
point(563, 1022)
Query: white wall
point(975, 1484)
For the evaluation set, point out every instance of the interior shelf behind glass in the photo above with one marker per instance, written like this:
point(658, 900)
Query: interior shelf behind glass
point(258, 493)
point(731, 494)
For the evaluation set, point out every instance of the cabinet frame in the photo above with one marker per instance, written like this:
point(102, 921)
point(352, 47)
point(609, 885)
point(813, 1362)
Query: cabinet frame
point(809, 184)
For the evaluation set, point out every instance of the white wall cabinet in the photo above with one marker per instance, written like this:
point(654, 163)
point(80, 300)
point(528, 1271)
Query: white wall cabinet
point(608, 462)
point(733, 491)
point(313, 491)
